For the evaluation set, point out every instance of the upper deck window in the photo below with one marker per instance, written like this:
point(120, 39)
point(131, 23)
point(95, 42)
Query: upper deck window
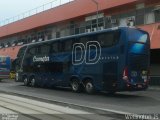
point(54, 47)
point(138, 42)
point(21, 52)
point(67, 45)
point(108, 39)
point(44, 49)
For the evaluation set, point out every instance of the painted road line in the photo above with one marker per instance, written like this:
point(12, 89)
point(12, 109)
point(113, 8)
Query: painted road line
point(6, 111)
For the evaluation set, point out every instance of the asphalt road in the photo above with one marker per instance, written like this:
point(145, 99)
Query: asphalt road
point(142, 102)
point(19, 108)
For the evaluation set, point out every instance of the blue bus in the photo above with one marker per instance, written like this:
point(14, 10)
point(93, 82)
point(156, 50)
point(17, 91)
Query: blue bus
point(112, 60)
point(5, 66)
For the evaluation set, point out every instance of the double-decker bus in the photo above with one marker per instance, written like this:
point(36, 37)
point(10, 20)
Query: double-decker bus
point(111, 60)
point(5, 65)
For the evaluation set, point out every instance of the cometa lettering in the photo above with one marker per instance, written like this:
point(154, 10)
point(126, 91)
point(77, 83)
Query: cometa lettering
point(40, 59)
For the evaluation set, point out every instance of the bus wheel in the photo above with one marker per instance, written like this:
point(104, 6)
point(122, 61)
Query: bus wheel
point(25, 80)
point(32, 82)
point(89, 87)
point(76, 87)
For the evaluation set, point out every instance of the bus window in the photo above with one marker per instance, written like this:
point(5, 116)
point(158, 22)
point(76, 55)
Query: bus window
point(67, 45)
point(138, 48)
point(32, 51)
point(27, 59)
point(44, 49)
point(138, 42)
point(84, 40)
point(108, 39)
point(21, 52)
point(54, 47)
point(138, 36)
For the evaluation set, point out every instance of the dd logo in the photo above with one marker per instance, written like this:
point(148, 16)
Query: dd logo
point(89, 53)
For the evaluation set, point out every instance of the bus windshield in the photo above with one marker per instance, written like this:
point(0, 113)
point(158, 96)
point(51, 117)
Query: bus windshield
point(138, 36)
point(138, 42)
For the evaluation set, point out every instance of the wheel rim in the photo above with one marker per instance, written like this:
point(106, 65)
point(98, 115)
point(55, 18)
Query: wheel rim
point(33, 82)
point(89, 87)
point(75, 86)
point(25, 81)
point(16, 77)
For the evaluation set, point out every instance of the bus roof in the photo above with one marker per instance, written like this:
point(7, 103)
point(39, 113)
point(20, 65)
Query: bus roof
point(82, 34)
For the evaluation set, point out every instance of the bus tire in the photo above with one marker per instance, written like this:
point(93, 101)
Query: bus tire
point(89, 87)
point(32, 82)
point(26, 81)
point(75, 85)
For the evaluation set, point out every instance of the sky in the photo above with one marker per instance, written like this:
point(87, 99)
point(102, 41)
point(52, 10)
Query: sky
point(11, 8)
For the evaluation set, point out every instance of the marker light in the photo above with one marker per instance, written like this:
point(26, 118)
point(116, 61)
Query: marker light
point(125, 74)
